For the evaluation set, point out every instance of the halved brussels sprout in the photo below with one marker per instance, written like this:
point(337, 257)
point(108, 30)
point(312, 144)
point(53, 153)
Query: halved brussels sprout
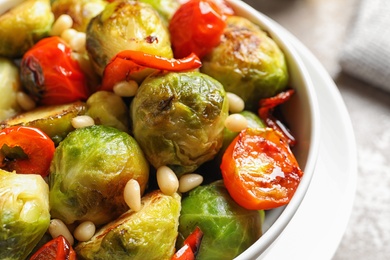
point(81, 11)
point(147, 234)
point(166, 8)
point(228, 229)
point(107, 108)
point(178, 119)
point(23, 26)
point(126, 25)
point(89, 171)
point(247, 62)
point(9, 85)
point(24, 213)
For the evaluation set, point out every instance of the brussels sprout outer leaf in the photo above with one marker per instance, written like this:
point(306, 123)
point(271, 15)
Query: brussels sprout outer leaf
point(128, 62)
point(56, 249)
point(146, 234)
point(24, 213)
point(228, 228)
point(259, 169)
point(90, 169)
point(26, 150)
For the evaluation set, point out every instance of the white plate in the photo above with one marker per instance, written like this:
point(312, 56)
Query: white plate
point(320, 222)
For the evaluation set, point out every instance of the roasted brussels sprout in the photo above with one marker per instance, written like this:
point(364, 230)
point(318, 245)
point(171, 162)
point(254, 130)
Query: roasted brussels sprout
point(228, 228)
point(89, 171)
point(24, 213)
point(9, 85)
point(24, 25)
point(147, 234)
point(178, 119)
point(126, 25)
point(81, 11)
point(107, 108)
point(247, 62)
point(166, 8)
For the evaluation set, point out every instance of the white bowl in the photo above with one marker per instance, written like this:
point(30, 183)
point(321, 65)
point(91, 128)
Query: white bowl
point(302, 116)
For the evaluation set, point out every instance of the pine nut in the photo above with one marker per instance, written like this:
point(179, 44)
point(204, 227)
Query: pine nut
point(167, 180)
point(82, 121)
point(57, 228)
point(236, 103)
point(132, 195)
point(84, 231)
point(126, 88)
point(78, 42)
point(189, 181)
point(68, 34)
point(236, 122)
point(62, 23)
point(25, 101)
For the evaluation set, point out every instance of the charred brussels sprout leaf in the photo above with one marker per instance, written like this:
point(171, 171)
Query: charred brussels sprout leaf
point(89, 171)
point(107, 108)
point(147, 234)
point(23, 26)
point(24, 213)
point(247, 62)
point(81, 11)
point(178, 119)
point(126, 25)
point(228, 228)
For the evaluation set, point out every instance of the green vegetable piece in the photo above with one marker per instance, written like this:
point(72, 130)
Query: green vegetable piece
point(178, 119)
point(147, 234)
point(9, 85)
point(166, 8)
point(89, 171)
point(228, 228)
point(81, 11)
point(247, 62)
point(126, 25)
point(23, 26)
point(24, 213)
point(107, 108)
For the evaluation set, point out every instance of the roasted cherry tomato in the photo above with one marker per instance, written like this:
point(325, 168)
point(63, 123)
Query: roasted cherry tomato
point(56, 249)
point(266, 109)
point(197, 27)
point(191, 246)
point(25, 150)
point(127, 62)
point(50, 75)
point(259, 170)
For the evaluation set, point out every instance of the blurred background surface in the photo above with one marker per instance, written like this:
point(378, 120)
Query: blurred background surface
point(323, 27)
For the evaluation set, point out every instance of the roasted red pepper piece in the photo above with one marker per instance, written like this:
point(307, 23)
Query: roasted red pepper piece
point(26, 150)
point(50, 75)
point(191, 246)
point(127, 62)
point(197, 27)
point(56, 249)
point(267, 106)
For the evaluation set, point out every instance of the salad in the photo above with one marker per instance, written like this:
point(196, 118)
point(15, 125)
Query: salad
point(145, 129)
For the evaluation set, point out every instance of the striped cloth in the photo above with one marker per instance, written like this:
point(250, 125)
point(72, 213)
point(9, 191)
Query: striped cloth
point(366, 54)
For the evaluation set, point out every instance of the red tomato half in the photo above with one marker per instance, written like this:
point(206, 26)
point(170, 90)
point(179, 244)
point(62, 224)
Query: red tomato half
point(50, 75)
point(259, 169)
point(56, 249)
point(25, 150)
point(196, 27)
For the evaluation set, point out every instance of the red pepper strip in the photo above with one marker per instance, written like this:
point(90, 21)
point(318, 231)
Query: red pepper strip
point(56, 249)
point(267, 105)
point(190, 247)
point(25, 150)
point(128, 62)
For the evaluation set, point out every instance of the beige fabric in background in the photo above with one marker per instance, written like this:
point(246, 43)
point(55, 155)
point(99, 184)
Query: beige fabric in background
point(366, 53)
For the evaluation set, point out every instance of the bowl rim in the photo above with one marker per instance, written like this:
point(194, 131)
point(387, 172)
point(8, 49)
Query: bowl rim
point(286, 212)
